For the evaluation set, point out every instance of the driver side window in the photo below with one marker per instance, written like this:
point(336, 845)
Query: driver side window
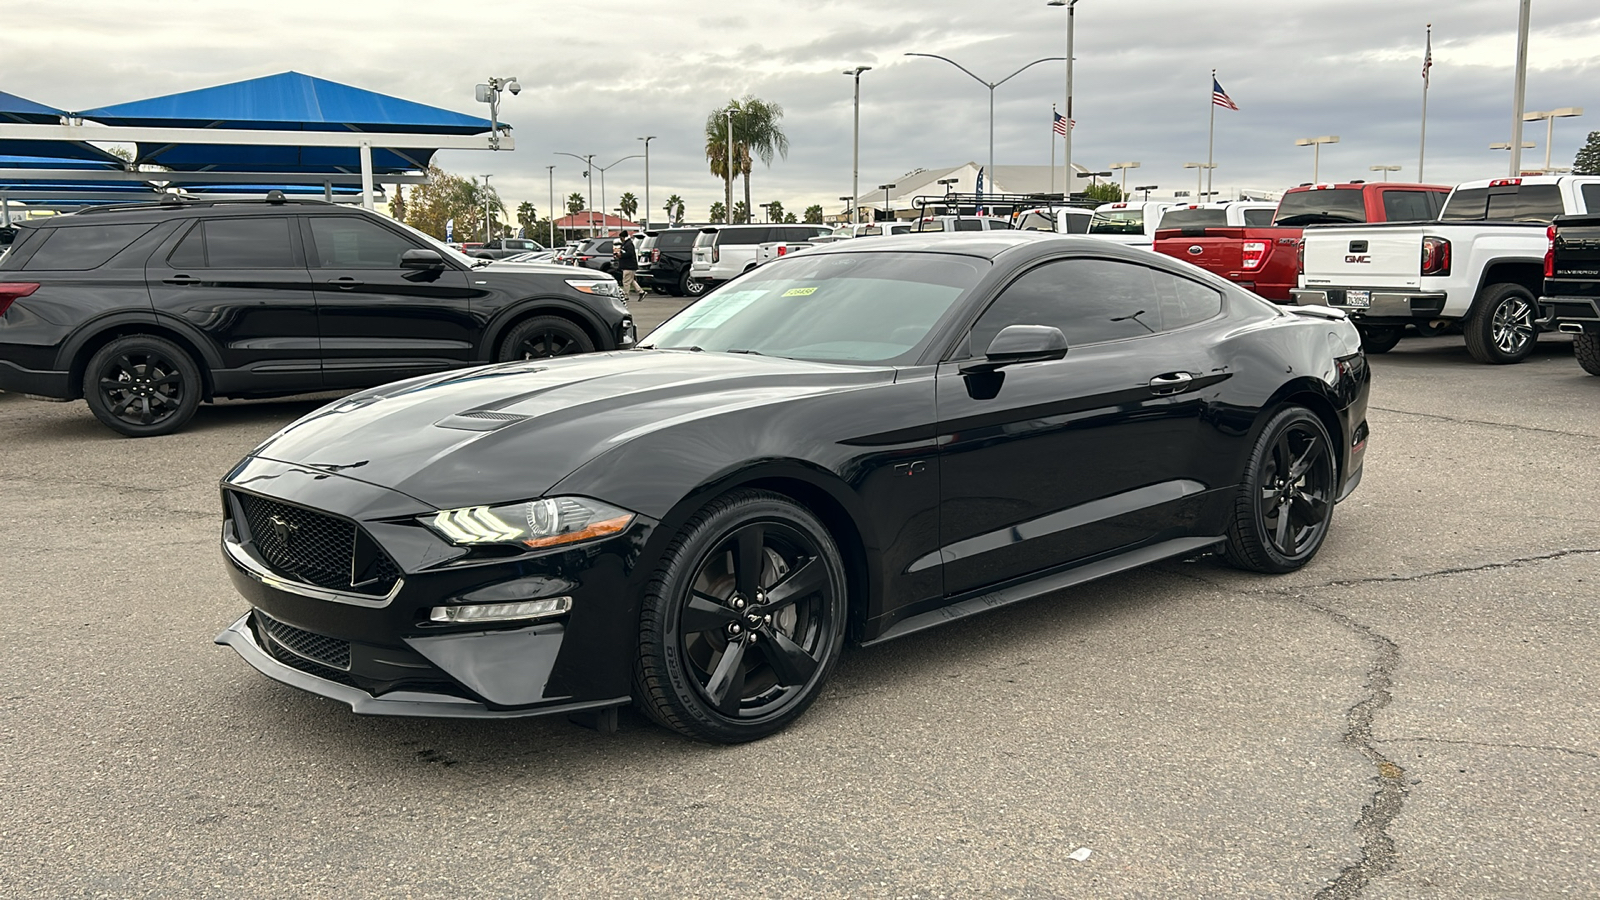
point(1090, 300)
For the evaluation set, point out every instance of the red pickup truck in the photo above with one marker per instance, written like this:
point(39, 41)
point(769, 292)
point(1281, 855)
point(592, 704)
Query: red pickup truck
point(1266, 259)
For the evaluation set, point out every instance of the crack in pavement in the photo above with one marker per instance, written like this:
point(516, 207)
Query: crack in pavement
point(1461, 421)
point(1493, 745)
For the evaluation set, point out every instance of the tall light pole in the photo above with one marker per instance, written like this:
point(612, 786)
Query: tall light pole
point(991, 85)
point(886, 188)
point(727, 214)
point(1384, 169)
point(855, 154)
point(766, 212)
point(1071, 6)
point(1199, 178)
point(603, 180)
point(647, 139)
point(1520, 91)
point(552, 172)
point(1124, 166)
point(1146, 188)
point(1316, 152)
point(588, 163)
point(487, 214)
point(1549, 118)
point(850, 207)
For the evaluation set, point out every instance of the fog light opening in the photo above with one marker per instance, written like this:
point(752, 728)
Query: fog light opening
point(501, 612)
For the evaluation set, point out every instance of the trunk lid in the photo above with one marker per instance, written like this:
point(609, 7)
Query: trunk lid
point(1364, 257)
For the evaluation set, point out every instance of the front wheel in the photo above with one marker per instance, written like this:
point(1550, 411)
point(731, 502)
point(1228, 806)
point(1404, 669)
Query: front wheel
point(1501, 329)
point(1285, 503)
point(142, 386)
point(1586, 347)
point(1380, 338)
point(542, 337)
point(742, 621)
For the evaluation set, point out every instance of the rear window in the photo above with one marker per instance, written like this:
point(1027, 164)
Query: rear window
point(1408, 206)
point(675, 240)
point(1326, 207)
point(1194, 218)
point(1466, 205)
point(968, 225)
point(740, 236)
point(86, 246)
point(1118, 221)
point(1256, 218)
point(705, 238)
point(1524, 203)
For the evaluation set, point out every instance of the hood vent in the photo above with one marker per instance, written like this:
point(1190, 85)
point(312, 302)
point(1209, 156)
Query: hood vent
point(480, 420)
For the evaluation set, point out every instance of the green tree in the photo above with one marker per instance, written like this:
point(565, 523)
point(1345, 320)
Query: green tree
point(775, 211)
point(719, 213)
point(1588, 159)
point(814, 214)
point(717, 149)
point(741, 213)
point(1105, 192)
point(789, 219)
point(674, 209)
point(445, 197)
point(527, 218)
point(574, 203)
point(629, 204)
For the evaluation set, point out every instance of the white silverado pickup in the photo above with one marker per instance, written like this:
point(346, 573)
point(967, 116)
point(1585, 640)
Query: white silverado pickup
point(1480, 266)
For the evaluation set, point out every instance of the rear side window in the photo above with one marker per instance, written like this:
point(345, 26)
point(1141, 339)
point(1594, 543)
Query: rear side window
point(968, 225)
point(676, 240)
point(1194, 218)
point(1535, 203)
point(1466, 205)
point(346, 242)
point(1591, 198)
point(1407, 206)
point(737, 236)
point(1090, 300)
point(1185, 302)
point(85, 247)
point(1324, 207)
point(705, 238)
point(1256, 218)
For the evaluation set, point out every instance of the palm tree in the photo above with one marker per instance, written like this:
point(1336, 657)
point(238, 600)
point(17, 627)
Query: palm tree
point(741, 213)
point(814, 214)
point(719, 213)
point(756, 130)
point(629, 204)
point(775, 211)
point(526, 216)
point(675, 209)
point(717, 148)
point(574, 203)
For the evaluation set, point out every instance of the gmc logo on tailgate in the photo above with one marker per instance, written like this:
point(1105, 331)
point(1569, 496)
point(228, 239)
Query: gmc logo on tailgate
point(1358, 259)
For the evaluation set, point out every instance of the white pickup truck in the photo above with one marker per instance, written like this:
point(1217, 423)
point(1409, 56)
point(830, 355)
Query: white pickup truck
point(1130, 223)
point(1480, 266)
point(1221, 214)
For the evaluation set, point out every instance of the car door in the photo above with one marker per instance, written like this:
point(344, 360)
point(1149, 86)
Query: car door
point(243, 283)
point(1055, 462)
point(378, 321)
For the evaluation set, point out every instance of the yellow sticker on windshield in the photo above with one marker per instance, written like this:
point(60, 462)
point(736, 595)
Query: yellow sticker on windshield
point(800, 292)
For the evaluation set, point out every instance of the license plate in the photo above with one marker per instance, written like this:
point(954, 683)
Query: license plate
point(1362, 299)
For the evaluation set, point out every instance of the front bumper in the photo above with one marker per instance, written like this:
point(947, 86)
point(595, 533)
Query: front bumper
point(1392, 306)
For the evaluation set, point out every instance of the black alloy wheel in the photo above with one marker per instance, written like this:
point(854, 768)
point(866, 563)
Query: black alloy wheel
point(142, 386)
point(742, 621)
point(542, 337)
point(1380, 338)
point(1285, 505)
point(1501, 328)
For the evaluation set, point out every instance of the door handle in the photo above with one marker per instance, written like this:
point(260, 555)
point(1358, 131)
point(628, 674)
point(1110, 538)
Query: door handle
point(181, 279)
point(345, 282)
point(1171, 383)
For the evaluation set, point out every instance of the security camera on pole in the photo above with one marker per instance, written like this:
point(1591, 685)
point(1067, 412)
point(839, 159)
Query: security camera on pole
point(490, 94)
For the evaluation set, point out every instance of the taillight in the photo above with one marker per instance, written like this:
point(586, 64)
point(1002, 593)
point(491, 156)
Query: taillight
point(716, 254)
point(1435, 256)
point(655, 256)
point(1254, 253)
point(1505, 182)
point(16, 290)
point(1549, 257)
point(782, 250)
point(1300, 256)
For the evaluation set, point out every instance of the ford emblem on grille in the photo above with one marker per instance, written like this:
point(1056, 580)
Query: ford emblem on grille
point(1196, 250)
point(283, 529)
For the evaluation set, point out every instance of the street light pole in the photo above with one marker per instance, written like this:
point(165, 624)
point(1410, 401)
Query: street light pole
point(855, 154)
point(886, 188)
point(1199, 178)
point(1384, 169)
point(1316, 152)
point(552, 172)
point(727, 214)
point(1549, 118)
point(603, 180)
point(1071, 6)
point(588, 163)
point(1124, 166)
point(647, 139)
point(1521, 89)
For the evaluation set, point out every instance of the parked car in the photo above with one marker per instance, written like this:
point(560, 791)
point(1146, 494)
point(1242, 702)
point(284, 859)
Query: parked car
point(664, 262)
point(146, 310)
point(871, 229)
point(1266, 257)
point(723, 252)
point(863, 441)
point(564, 252)
point(778, 249)
point(502, 248)
point(595, 253)
point(930, 224)
point(536, 256)
point(1480, 266)
point(1570, 301)
point(1130, 223)
point(1057, 219)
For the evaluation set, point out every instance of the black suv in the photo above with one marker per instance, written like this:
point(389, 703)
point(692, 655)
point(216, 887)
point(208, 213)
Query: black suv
point(145, 310)
point(664, 262)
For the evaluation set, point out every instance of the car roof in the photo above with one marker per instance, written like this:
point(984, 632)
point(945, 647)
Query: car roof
point(163, 211)
point(984, 244)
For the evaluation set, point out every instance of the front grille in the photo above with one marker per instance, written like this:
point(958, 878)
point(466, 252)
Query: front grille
point(315, 647)
point(316, 548)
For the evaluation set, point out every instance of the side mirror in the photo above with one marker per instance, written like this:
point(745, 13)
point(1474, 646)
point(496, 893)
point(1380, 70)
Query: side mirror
point(421, 259)
point(1017, 344)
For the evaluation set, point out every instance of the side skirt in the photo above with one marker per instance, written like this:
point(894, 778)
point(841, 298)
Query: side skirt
point(1045, 584)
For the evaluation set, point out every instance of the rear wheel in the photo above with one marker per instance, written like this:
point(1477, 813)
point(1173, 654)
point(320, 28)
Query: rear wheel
point(1285, 504)
point(688, 287)
point(1380, 338)
point(142, 386)
point(542, 337)
point(742, 621)
point(1501, 328)
point(1586, 347)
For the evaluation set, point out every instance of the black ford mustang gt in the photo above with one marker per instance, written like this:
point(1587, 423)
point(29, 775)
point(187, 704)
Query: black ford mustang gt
point(858, 441)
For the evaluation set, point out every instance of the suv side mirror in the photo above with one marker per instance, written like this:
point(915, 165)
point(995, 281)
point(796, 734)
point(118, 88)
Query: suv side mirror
point(1017, 344)
point(421, 259)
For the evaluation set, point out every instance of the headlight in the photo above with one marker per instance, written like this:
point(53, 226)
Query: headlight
point(600, 287)
point(543, 523)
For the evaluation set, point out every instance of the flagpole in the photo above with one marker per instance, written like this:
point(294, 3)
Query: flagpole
point(1427, 63)
point(1211, 140)
point(1053, 114)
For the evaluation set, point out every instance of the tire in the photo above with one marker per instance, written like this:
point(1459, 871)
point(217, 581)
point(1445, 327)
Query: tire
point(731, 651)
point(1501, 329)
point(1586, 347)
point(1380, 338)
point(1280, 521)
point(1427, 329)
point(142, 386)
point(543, 337)
point(688, 287)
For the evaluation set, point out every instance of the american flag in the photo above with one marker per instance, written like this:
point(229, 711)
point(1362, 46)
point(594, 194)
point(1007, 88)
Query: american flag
point(1427, 59)
point(1062, 123)
point(1220, 97)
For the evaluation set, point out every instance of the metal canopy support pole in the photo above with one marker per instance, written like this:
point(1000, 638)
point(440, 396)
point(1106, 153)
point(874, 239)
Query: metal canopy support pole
point(5, 210)
point(366, 175)
point(327, 192)
point(1521, 88)
point(855, 157)
point(727, 213)
point(552, 218)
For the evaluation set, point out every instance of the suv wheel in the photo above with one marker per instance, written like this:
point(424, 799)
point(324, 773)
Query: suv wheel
point(688, 287)
point(1501, 328)
point(142, 386)
point(544, 336)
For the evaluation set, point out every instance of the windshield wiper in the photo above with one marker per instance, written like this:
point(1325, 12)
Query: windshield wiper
point(750, 352)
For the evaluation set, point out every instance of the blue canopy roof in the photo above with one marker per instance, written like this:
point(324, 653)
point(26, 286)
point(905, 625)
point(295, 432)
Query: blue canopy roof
point(27, 112)
point(21, 109)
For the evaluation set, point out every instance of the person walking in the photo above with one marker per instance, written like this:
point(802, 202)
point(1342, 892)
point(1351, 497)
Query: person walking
point(628, 264)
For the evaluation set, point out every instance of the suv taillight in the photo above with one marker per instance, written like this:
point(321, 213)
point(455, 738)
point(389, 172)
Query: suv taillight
point(1254, 253)
point(13, 291)
point(716, 253)
point(1300, 256)
point(1435, 256)
point(1549, 256)
point(655, 256)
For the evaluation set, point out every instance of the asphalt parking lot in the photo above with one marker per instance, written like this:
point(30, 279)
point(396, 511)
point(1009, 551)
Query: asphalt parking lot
point(1411, 716)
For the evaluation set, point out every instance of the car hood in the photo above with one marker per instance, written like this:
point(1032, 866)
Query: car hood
point(510, 432)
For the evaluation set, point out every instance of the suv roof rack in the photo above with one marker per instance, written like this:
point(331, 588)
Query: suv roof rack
point(183, 201)
point(1011, 203)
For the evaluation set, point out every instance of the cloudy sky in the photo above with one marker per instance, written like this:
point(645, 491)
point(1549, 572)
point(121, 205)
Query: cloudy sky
point(598, 75)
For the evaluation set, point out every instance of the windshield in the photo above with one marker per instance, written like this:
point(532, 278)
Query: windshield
point(834, 307)
point(1325, 207)
point(1117, 221)
point(445, 250)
